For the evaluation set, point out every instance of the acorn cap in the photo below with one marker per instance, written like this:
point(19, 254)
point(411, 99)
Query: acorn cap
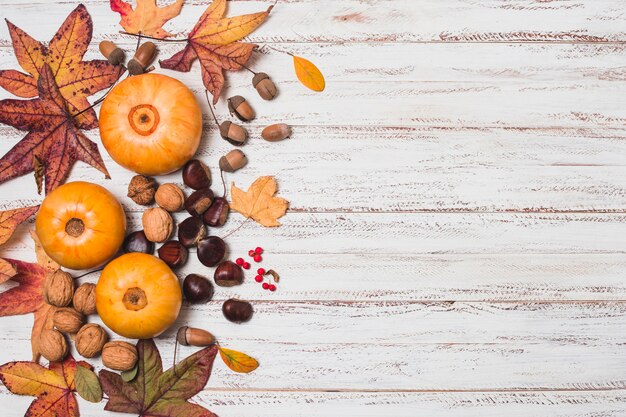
point(258, 77)
point(116, 57)
point(134, 67)
point(224, 127)
point(181, 336)
point(234, 102)
point(233, 161)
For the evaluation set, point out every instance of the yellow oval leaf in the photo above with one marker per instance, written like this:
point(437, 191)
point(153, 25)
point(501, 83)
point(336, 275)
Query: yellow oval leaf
point(238, 361)
point(308, 74)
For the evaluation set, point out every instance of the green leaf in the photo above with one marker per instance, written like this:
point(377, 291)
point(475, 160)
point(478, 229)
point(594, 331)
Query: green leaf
point(88, 385)
point(129, 375)
point(156, 393)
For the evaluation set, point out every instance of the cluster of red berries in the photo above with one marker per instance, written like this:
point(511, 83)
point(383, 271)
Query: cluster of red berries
point(255, 254)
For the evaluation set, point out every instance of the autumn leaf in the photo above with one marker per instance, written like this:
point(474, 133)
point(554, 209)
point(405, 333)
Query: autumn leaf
point(42, 257)
point(88, 385)
point(53, 136)
point(7, 271)
point(308, 74)
point(147, 18)
point(76, 79)
point(259, 203)
point(10, 219)
point(53, 386)
point(213, 40)
point(156, 393)
point(238, 361)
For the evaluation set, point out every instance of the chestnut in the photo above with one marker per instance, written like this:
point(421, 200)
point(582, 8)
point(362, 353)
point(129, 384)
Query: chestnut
point(138, 242)
point(196, 175)
point(190, 231)
point(217, 214)
point(211, 250)
point(173, 253)
point(228, 274)
point(237, 311)
point(199, 201)
point(197, 289)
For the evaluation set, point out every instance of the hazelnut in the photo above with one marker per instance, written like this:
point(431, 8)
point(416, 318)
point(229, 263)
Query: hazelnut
point(138, 242)
point(84, 300)
point(199, 201)
point(170, 197)
point(173, 253)
point(52, 345)
point(120, 356)
point(190, 231)
point(68, 320)
point(196, 175)
point(90, 339)
point(58, 288)
point(157, 224)
point(141, 190)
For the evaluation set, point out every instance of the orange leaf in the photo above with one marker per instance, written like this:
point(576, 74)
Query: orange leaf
point(10, 219)
point(147, 18)
point(213, 42)
point(53, 386)
point(308, 74)
point(42, 257)
point(259, 203)
point(238, 361)
point(7, 271)
point(75, 78)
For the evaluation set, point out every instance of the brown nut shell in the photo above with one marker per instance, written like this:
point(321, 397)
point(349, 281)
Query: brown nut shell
point(157, 224)
point(228, 274)
point(58, 288)
point(238, 106)
point(233, 161)
point(264, 86)
point(141, 190)
point(233, 133)
point(90, 340)
point(52, 345)
point(111, 52)
point(199, 201)
point(237, 311)
point(142, 59)
point(217, 214)
point(84, 300)
point(173, 253)
point(190, 231)
point(170, 197)
point(196, 175)
point(68, 320)
point(120, 356)
point(189, 336)
point(276, 132)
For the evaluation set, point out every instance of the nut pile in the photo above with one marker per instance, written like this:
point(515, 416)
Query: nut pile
point(73, 305)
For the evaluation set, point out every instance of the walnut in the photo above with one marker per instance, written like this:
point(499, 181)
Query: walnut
point(58, 288)
point(68, 320)
point(120, 356)
point(157, 224)
point(170, 197)
point(141, 190)
point(84, 300)
point(52, 345)
point(90, 340)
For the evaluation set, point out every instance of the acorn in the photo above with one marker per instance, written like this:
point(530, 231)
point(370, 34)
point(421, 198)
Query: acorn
point(217, 214)
point(233, 133)
point(111, 52)
point(142, 59)
point(238, 106)
point(264, 85)
point(233, 161)
point(276, 132)
point(189, 336)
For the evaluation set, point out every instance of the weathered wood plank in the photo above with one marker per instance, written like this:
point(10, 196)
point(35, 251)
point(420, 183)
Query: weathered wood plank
point(390, 21)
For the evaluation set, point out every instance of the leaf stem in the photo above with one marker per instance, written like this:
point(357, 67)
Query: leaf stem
point(206, 93)
point(248, 69)
point(235, 229)
point(88, 273)
point(153, 38)
point(223, 183)
point(278, 50)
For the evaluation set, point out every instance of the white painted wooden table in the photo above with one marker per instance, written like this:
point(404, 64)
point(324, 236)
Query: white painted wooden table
point(457, 234)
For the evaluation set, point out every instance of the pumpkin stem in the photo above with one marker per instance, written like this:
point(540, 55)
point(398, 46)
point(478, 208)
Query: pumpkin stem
point(75, 227)
point(135, 299)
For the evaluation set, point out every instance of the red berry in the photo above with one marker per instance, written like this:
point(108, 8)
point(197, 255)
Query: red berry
point(259, 250)
point(272, 287)
point(257, 258)
point(260, 271)
point(258, 278)
point(266, 286)
point(246, 265)
point(239, 261)
point(251, 252)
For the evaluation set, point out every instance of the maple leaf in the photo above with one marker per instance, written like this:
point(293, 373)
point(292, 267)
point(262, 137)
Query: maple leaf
point(54, 386)
point(53, 137)
point(259, 203)
point(156, 393)
point(213, 40)
point(75, 78)
point(27, 296)
point(147, 18)
point(10, 219)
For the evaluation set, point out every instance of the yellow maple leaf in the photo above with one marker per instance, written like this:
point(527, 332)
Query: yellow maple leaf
point(238, 361)
point(259, 203)
point(147, 18)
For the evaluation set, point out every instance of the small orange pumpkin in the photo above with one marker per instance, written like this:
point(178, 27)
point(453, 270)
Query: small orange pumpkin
point(80, 225)
point(151, 124)
point(138, 296)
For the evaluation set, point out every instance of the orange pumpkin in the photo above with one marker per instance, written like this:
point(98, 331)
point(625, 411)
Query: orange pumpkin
point(138, 296)
point(151, 124)
point(80, 225)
